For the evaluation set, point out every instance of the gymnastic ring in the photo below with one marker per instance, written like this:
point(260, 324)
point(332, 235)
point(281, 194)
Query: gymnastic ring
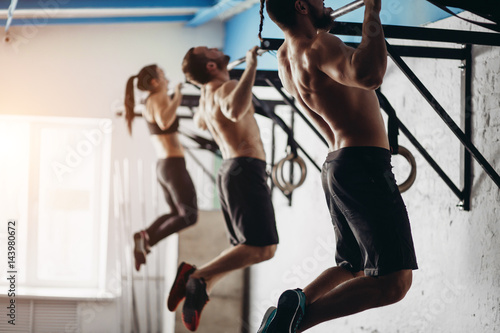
point(274, 176)
point(404, 186)
point(279, 179)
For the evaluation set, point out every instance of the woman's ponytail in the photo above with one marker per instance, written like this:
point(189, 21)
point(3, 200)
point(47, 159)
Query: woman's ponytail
point(130, 103)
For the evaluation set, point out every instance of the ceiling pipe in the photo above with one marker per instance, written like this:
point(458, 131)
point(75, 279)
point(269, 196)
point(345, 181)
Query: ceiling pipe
point(223, 10)
point(99, 12)
point(10, 14)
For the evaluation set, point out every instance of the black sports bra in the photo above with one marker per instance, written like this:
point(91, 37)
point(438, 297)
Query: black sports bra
point(156, 130)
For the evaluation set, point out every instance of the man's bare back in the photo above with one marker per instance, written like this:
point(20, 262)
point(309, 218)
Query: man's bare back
point(235, 139)
point(315, 70)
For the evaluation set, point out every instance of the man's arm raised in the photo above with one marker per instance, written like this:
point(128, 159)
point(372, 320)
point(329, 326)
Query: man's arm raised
point(235, 97)
point(363, 67)
point(198, 117)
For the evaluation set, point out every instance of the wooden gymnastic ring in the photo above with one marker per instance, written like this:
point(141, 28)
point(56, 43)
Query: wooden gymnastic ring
point(278, 178)
point(404, 186)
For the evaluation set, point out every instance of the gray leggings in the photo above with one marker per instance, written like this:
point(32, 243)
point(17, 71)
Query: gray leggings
point(180, 195)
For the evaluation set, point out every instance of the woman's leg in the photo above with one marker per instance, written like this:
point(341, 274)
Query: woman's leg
point(180, 195)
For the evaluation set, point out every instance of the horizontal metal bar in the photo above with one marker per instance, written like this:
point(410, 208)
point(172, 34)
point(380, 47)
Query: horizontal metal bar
point(423, 34)
point(190, 100)
point(403, 50)
point(260, 77)
point(271, 44)
point(241, 60)
point(426, 52)
point(347, 8)
point(408, 33)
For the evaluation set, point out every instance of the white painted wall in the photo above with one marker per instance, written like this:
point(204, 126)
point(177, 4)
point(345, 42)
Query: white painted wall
point(457, 287)
point(81, 71)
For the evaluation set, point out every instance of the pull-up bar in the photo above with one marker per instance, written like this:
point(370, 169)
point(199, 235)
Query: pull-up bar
point(335, 14)
point(347, 8)
point(241, 60)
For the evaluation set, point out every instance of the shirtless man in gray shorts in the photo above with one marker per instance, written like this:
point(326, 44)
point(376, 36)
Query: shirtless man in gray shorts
point(335, 85)
point(226, 110)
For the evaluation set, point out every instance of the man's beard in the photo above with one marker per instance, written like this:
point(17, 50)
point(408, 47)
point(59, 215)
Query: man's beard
point(222, 62)
point(322, 22)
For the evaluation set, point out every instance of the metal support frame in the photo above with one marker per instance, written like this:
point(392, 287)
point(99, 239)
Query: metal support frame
point(396, 52)
point(273, 152)
point(467, 125)
point(268, 78)
point(387, 107)
point(464, 139)
point(291, 104)
point(262, 105)
point(292, 128)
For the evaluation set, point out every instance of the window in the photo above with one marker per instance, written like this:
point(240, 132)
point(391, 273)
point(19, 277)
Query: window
point(54, 180)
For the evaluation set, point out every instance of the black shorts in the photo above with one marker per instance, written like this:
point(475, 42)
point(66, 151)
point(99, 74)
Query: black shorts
point(246, 202)
point(368, 214)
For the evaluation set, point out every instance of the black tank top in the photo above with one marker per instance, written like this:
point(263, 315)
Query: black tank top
point(156, 130)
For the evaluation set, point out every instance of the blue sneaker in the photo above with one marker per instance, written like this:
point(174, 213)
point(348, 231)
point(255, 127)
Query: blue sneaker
point(268, 318)
point(288, 315)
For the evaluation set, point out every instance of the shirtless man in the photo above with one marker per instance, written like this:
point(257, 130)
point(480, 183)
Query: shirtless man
point(226, 110)
point(335, 85)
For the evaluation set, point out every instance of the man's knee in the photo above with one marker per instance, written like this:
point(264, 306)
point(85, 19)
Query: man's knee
point(264, 253)
point(396, 285)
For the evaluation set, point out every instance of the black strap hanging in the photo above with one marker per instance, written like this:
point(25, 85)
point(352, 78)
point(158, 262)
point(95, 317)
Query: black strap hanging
point(392, 123)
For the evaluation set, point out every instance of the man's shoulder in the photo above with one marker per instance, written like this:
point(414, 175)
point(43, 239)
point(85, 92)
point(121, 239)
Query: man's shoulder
point(283, 47)
point(325, 40)
point(325, 46)
point(225, 88)
point(282, 54)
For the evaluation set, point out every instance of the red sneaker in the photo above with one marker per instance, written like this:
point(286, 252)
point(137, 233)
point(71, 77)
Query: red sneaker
point(196, 299)
point(178, 290)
